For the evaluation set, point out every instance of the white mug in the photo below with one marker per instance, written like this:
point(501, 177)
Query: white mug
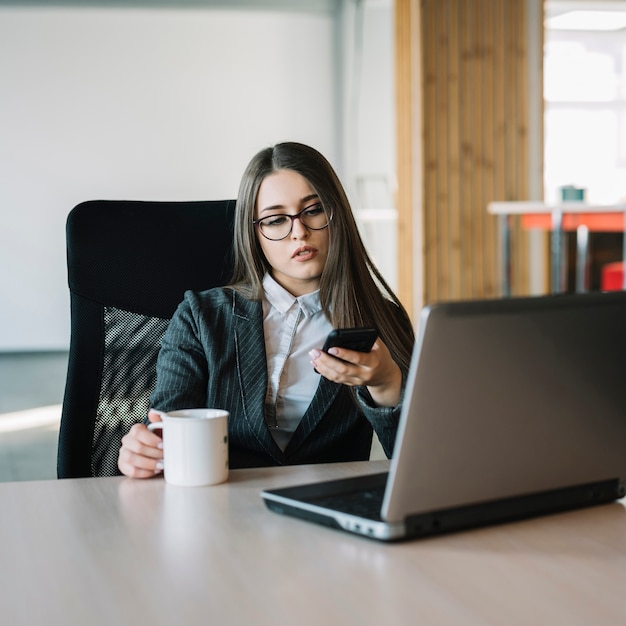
point(195, 446)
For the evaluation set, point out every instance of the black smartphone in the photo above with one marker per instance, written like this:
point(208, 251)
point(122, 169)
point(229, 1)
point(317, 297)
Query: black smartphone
point(359, 339)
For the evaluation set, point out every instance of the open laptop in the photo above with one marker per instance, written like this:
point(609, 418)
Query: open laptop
point(513, 408)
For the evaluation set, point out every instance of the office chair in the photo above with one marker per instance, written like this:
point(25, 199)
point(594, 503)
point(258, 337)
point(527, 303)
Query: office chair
point(129, 264)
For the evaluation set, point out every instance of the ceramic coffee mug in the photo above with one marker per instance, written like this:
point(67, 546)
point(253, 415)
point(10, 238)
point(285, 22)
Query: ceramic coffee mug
point(195, 446)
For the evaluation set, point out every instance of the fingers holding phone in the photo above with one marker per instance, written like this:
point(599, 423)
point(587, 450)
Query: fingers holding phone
point(356, 357)
point(346, 346)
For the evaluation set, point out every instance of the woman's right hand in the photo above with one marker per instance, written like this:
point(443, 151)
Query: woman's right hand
point(141, 454)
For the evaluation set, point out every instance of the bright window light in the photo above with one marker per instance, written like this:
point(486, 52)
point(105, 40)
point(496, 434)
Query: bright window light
point(585, 113)
point(588, 20)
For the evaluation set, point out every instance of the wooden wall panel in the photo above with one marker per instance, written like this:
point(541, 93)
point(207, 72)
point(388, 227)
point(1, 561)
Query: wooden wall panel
point(472, 109)
point(408, 112)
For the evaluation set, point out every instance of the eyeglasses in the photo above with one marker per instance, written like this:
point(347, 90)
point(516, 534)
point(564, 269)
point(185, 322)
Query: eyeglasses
point(279, 226)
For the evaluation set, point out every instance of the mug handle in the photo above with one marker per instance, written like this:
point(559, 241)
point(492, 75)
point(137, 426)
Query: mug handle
point(152, 426)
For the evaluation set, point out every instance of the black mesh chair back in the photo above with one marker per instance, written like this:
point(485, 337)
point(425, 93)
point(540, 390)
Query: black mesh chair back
point(129, 264)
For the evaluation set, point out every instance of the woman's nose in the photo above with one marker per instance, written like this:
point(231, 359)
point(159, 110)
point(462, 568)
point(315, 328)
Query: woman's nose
point(299, 230)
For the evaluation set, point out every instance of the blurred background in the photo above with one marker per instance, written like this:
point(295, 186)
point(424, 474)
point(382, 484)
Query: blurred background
point(428, 111)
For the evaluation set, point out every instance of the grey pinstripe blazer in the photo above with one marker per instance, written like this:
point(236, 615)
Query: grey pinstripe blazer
point(213, 355)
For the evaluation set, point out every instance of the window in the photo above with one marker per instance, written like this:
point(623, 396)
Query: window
point(585, 110)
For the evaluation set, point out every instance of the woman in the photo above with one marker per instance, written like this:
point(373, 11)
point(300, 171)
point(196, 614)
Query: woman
point(253, 347)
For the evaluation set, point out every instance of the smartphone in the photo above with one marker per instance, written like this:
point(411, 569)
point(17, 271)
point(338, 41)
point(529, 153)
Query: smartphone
point(359, 339)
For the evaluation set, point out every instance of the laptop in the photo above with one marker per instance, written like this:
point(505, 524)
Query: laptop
point(513, 408)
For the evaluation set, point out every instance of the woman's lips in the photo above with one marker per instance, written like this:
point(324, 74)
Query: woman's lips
point(305, 253)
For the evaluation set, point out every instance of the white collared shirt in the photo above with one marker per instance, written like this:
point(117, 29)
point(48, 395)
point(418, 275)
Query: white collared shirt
point(292, 327)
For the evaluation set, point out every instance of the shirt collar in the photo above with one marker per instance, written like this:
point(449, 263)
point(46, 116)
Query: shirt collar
point(282, 300)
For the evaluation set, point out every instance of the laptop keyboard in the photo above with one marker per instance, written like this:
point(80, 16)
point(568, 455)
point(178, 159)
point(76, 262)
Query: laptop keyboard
point(367, 503)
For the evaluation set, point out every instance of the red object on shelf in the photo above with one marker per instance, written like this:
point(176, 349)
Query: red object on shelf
point(602, 222)
point(613, 276)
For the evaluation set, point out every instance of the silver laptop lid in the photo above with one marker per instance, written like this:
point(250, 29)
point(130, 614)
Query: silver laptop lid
point(511, 397)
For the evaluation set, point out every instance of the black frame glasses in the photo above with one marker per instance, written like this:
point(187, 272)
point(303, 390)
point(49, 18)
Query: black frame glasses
point(259, 223)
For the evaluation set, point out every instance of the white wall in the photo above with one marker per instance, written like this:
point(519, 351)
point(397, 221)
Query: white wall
point(129, 103)
point(371, 147)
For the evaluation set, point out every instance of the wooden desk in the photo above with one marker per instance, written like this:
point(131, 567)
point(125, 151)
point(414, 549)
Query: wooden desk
point(578, 216)
point(117, 551)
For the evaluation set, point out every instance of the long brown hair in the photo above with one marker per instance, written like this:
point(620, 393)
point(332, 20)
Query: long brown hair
point(352, 290)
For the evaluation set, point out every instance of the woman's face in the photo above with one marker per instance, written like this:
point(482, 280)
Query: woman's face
point(297, 260)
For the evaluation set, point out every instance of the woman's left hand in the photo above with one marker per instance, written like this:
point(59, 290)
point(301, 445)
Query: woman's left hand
point(375, 370)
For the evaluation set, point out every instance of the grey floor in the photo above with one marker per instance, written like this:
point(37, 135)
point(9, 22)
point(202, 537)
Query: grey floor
point(28, 441)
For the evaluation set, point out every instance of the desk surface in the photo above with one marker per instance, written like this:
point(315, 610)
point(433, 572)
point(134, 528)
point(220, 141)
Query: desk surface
point(117, 551)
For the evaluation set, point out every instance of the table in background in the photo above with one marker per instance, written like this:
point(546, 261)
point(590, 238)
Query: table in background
point(117, 551)
point(574, 215)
